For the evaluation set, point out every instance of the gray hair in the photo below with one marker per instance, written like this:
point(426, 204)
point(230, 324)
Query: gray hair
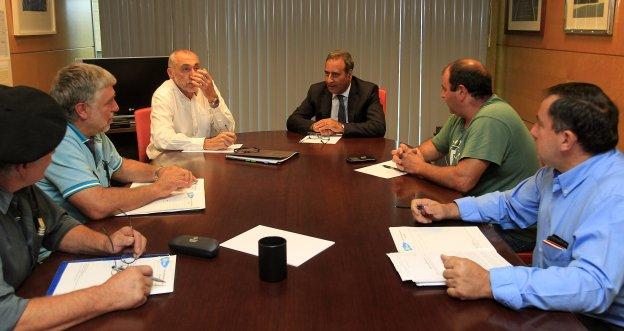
point(79, 82)
point(345, 56)
point(173, 58)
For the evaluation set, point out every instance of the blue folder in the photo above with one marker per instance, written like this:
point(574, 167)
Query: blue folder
point(63, 266)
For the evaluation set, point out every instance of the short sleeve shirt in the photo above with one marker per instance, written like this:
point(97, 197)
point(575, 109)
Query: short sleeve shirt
point(74, 168)
point(496, 134)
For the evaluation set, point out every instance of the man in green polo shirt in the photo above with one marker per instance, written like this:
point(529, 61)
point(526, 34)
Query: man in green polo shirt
point(485, 144)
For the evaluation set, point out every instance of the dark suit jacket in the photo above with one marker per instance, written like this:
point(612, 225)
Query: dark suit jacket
point(366, 118)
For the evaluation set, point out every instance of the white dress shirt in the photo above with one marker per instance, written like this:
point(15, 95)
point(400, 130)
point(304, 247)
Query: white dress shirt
point(180, 123)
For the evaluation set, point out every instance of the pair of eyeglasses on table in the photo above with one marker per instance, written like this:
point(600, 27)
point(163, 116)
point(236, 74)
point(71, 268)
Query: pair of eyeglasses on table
point(317, 136)
point(246, 150)
point(126, 259)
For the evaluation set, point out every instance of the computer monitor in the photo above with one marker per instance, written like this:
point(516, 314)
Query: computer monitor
point(137, 79)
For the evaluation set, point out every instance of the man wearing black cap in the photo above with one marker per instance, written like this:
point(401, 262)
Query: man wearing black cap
point(86, 160)
point(31, 126)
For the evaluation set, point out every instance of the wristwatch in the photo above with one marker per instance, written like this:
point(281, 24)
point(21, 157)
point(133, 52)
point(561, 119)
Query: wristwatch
point(214, 103)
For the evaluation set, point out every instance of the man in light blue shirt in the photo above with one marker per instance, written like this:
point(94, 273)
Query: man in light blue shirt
point(84, 163)
point(577, 201)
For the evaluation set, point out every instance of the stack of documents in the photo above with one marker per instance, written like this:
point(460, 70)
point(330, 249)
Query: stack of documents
point(192, 198)
point(419, 249)
point(77, 275)
point(228, 150)
point(266, 156)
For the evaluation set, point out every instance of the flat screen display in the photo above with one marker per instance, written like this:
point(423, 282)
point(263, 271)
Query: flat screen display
point(137, 79)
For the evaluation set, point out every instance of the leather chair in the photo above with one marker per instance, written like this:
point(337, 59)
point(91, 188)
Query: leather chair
point(142, 122)
point(382, 99)
point(526, 257)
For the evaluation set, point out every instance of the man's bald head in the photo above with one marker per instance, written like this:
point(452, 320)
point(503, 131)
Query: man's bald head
point(473, 75)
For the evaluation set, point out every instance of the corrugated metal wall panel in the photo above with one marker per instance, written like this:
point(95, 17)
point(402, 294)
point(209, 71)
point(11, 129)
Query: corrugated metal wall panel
point(452, 30)
point(264, 54)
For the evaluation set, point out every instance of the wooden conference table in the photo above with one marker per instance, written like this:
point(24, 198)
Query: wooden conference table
point(351, 285)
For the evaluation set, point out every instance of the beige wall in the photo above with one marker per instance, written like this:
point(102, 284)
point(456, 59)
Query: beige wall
point(527, 64)
point(35, 59)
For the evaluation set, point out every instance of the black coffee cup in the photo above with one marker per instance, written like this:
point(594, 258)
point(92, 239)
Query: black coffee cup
point(272, 259)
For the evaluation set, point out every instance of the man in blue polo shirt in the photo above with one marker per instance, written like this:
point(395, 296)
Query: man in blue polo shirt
point(86, 160)
point(577, 201)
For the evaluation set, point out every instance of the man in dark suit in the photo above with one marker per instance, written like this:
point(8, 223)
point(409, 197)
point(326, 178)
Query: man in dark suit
point(342, 104)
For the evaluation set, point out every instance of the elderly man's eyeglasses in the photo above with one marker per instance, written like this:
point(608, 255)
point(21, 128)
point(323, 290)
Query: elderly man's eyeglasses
point(245, 150)
point(126, 258)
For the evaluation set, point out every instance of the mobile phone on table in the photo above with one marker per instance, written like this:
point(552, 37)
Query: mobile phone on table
point(360, 159)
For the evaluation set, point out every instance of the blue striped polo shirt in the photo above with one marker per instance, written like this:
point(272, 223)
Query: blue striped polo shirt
point(74, 168)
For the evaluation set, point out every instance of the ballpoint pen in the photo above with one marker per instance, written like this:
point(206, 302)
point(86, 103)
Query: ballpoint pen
point(226, 128)
point(157, 279)
point(393, 168)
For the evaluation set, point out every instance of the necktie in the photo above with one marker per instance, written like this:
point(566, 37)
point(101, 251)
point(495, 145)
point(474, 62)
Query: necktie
point(91, 145)
point(342, 113)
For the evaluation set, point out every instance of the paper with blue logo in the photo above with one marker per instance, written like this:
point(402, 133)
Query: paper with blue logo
point(419, 249)
point(76, 275)
point(192, 198)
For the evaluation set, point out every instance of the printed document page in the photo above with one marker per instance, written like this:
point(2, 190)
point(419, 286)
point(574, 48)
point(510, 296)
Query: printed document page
point(191, 198)
point(440, 239)
point(228, 150)
point(86, 273)
point(386, 170)
point(427, 268)
point(299, 248)
point(419, 250)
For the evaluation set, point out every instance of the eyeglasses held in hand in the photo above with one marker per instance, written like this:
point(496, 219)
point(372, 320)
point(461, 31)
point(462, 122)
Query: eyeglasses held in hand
point(126, 258)
point(247, 150)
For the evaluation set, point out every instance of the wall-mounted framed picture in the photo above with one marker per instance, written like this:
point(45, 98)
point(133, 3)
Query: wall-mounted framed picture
point(589, 16)
point(525, 16)
point(33, 17)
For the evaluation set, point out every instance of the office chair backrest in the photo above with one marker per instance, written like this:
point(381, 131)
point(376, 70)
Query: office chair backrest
point(142, 122)
point(526, 257)
point(382, 99)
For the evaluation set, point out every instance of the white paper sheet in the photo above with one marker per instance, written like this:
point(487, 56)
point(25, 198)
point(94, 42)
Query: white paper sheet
point(299, 248)
point(426, 269)
point(419, 250)
point(441, 239)
point(382, 170)
point(313, 139)
point(228, 150)
point(82, 274)
point(192, 198)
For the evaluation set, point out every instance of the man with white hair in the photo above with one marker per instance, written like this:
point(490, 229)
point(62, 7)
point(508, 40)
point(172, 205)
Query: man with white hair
point(188, 112)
